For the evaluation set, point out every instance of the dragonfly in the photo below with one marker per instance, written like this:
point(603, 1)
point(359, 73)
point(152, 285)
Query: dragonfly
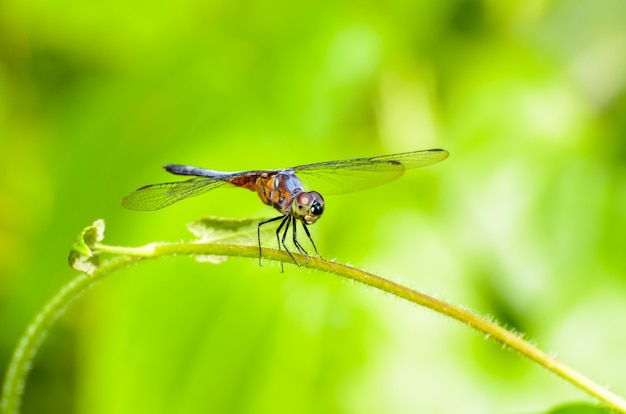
point(283, 188)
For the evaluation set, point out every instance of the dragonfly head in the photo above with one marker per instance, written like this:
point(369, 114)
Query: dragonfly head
point(308, 206)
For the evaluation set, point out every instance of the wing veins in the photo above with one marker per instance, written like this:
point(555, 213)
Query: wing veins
point(357, 174)
point(158, 196)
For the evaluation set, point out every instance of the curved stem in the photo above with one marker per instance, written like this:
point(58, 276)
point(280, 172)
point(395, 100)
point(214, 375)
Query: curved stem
point(27, 347)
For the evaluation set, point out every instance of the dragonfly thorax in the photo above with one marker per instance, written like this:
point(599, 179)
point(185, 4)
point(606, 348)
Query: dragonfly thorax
point(308, 206)
point(284, 192)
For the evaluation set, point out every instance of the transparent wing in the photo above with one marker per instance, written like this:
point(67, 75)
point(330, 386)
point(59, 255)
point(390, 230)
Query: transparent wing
point(157, 196)
point(335, 177)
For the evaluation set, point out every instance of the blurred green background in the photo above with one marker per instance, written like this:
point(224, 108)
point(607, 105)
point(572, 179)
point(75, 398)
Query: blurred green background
point(526, 221)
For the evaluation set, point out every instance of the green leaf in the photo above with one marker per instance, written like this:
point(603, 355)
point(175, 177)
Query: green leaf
point(225, 230)
point(82, 256)
point(580, 408)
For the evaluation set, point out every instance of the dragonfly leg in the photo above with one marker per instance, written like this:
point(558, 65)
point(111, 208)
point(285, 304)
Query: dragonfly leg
point(295, 239)
point(306, 230)
point(282, 223)
point(259, 234)
point(288, 222)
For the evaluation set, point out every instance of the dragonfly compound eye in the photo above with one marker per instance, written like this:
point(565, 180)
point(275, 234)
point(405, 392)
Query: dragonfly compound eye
point(309, 206)
point(317, 208)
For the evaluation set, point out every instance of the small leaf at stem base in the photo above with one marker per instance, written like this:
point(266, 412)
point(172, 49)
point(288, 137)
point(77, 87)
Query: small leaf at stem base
point(82, 255)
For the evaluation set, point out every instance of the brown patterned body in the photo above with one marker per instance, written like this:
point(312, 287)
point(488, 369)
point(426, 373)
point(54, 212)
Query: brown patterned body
point(276, 189)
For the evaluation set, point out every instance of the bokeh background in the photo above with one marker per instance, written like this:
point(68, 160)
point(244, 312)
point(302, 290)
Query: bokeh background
point(526, 221)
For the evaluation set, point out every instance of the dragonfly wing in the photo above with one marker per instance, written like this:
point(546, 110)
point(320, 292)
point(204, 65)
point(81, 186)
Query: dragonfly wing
point(157, 196)
point(357, 174)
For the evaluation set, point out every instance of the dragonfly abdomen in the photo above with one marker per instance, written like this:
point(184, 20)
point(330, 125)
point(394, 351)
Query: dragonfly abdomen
point(198, 172)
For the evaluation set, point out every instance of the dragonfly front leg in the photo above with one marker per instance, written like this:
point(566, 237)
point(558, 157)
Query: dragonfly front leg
point(306, 230)
point(295, 239)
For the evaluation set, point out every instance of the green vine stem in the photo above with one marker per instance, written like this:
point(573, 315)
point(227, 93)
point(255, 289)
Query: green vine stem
point(25, 352)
